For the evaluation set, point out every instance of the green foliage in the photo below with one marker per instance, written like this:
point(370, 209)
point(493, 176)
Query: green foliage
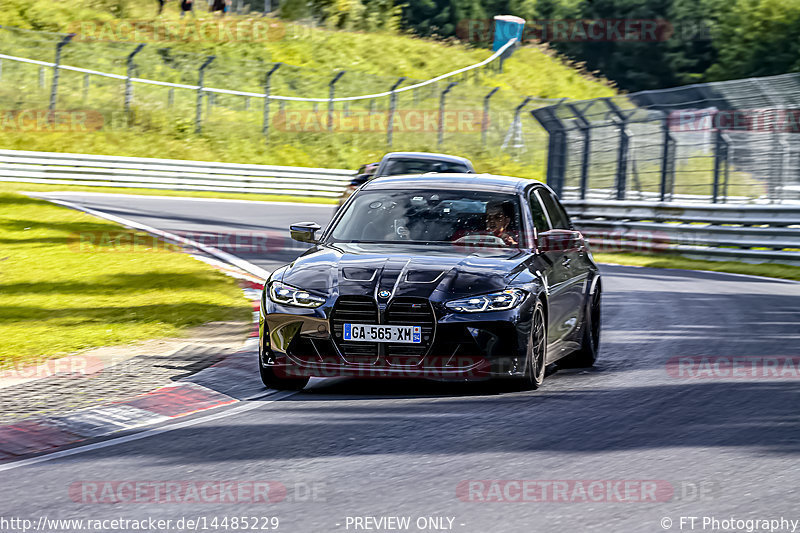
point(757, 38)
point(361, 15)
point(710, 39)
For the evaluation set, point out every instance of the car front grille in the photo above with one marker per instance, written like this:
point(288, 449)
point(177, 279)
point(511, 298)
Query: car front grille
point(355, 310)
point(405, 311)
point(401, 311)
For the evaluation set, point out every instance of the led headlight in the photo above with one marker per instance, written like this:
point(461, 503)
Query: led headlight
point(496, 301)
point(286, 295)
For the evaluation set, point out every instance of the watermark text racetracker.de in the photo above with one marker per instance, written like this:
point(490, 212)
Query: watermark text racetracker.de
point(46, 121)
point(730, 523)
point(584, 490)
point(765, 120)
point(734, 367)
point(572, 30)
point(234, 242)
point(365, 121)
point(132, 491)
point(194, 30)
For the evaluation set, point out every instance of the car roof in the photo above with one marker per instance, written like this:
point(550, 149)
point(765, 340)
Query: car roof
point(452, 180)
point(427, 155)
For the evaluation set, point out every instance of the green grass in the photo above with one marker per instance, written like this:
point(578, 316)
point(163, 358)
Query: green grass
point(770, 270)
point(57, 297)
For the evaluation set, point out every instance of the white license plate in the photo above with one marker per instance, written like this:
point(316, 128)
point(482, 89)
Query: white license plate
point(375, 333)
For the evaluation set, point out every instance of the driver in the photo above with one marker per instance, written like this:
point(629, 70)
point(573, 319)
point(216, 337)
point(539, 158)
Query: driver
point(499, 215)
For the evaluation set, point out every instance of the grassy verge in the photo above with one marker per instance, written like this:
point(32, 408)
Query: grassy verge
point(770, 270)
point(57, 296)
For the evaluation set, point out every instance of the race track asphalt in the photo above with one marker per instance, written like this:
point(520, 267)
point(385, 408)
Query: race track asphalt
point(723, 446)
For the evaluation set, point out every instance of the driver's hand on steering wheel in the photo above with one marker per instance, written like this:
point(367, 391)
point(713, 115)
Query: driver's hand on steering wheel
point(508, 239)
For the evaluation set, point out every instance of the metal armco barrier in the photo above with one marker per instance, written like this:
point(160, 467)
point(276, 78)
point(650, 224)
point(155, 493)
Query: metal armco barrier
point(736, 232)
point(749, 232)
point(171, 174)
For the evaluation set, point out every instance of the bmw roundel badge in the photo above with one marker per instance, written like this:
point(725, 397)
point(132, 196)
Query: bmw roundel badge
point(384, 293)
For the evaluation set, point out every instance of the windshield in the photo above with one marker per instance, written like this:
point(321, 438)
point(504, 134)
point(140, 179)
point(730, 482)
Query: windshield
point(420, 166)
point(475, 218)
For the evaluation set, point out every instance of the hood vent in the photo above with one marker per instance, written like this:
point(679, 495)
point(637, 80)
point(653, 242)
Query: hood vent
point(423, 276)
point(358, 274)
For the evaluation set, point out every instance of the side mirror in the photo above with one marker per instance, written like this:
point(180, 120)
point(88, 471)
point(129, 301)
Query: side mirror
point(304, 232)
point(559, 240)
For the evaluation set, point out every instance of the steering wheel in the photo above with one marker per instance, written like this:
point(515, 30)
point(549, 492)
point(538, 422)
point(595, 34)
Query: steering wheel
point(479, 238)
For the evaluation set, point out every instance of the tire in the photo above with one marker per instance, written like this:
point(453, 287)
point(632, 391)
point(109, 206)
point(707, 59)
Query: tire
point(273, 381)
point(587, 354)
point(537, 351)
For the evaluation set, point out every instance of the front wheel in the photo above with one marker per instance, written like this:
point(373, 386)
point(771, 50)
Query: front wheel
point(537, 348)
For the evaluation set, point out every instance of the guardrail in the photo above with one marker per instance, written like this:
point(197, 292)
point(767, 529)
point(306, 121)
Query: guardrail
point(736, 232)
point(739, 232)
point(173, 174)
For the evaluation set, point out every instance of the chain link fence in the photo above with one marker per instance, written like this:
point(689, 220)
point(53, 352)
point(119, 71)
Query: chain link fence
point(725, 142)
point(157, 86)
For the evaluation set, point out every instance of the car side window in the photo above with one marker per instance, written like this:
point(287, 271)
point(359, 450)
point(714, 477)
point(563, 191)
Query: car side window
point(558, 217)
point(537, 212)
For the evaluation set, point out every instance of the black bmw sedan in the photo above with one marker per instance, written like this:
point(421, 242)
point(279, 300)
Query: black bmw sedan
point(447, 276)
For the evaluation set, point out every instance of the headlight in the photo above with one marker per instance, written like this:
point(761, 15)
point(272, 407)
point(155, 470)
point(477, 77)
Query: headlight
point(496, 301)
point(286, 295)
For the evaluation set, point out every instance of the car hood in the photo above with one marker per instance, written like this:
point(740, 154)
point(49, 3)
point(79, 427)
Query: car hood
point(405, 270)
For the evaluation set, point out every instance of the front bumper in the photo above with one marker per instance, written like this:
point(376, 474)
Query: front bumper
point(464, 346)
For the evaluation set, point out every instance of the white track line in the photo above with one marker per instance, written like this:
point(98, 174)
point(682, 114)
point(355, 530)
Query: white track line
point(247, 266)
point(241, 408)
point(721, 272)
point(40, 194)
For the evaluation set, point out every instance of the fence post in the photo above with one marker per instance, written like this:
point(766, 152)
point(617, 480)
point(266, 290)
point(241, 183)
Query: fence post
point(485, 119)
point(1, 69)
point(171, 97)
point(198, 117)
point(267, 88)
point(622, 153)
point(665, 157)
point(246, 103)
point(392, 106)
point(85, 88)
point(726, 172)
point(41, 77)
point(720, 159)
point(54, 90)
point(717, 161)
point(586, 128)
point(440, 139)
point(557, 145)
point(331, 92)
point(128, 76)
point(514, 133)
